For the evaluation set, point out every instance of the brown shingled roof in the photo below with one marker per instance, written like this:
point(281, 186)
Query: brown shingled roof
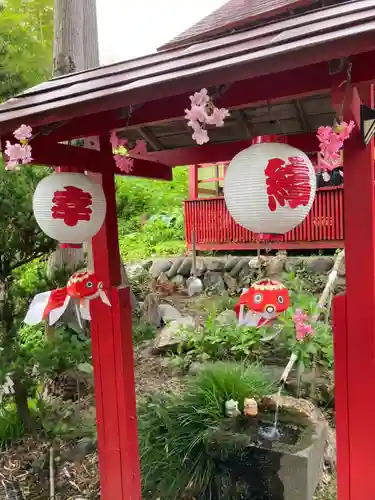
point(233, 15)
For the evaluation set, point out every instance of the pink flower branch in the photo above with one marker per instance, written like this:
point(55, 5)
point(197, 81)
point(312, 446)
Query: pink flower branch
point(331, 141)
point(303, 327)
point(121, 152)
point(20, 152)
point(203, 112)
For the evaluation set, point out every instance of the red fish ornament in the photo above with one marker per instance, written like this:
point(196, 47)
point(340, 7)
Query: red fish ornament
point(81, 288)
point(265, 300)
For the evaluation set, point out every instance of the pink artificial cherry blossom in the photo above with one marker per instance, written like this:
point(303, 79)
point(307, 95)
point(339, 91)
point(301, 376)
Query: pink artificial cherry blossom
point(200, 98)
point(202, 112)
point(124, 163)
point(17, 154)
point(217, 117)
point(200, 136)
point(24, 132)
point(20, 152)
point(331, 141)
point(123, 160)
point(196, 114)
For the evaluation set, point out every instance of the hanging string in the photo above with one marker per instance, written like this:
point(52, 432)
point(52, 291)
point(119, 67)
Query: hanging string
point(340, 116)
point(259, 262)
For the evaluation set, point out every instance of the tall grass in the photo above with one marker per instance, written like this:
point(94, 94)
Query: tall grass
point(172, 429)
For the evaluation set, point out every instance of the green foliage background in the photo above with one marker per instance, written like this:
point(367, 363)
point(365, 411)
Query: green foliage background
point(162, 204)
point(26, 33)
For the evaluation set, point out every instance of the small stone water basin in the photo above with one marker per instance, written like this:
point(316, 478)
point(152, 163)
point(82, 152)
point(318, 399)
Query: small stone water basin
point(254, 463)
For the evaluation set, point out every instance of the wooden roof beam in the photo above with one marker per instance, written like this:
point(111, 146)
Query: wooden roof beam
point(244, 123)
point(301, 115)
point(224, 152)
point(150, 138)
point(84, 159)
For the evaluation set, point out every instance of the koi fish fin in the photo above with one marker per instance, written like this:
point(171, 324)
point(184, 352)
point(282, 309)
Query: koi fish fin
point(36, 309)
point(56, 313)
point(50, 304)
point(249, 319)
point(104, 297)
point(84, 309)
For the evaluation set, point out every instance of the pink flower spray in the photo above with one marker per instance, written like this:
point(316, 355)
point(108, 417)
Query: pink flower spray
point(303, 327)
point(202, 112)
point(331, 141)
point(19, 153)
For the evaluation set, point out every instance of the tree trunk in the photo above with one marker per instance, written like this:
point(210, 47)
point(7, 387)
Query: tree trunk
point(23, 412)
point(90, 34)
point(68, 51)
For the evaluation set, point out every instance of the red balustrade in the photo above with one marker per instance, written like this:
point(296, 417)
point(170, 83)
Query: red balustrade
point(215, 229)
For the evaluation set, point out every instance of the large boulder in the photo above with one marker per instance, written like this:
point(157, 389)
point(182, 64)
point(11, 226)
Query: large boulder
point(185, 267)
point(275, 265)
point(319, 265)
point(213, 282)
point(230, 263)
point(175, 267)
point(230, 282)
point(201, 267)
point(246, 276)
point(227, 318)
point(173, 335)
point(237, 268)
point(169, 313)
point(160, 266)
point(215, 264)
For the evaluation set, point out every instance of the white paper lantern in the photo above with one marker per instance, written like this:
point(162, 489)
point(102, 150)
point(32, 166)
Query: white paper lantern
point(269, 188)
point(69, 207)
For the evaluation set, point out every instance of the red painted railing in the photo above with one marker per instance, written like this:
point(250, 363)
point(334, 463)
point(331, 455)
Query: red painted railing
point(216, 230)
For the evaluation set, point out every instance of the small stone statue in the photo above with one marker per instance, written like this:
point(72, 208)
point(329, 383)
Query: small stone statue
point(250, 407)
point(231, 408)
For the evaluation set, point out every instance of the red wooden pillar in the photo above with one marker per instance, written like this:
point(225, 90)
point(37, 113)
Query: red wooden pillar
point(112, 351)
point(341, 396)
point(193, 182)
point(359, 223)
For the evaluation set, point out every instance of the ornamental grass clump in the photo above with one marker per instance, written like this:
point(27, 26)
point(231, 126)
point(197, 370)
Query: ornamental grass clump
point(173, 429)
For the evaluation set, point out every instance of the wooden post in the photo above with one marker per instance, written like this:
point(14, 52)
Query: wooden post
point(359, 223)
point(112, 351)
point(193, 182)
point(341, 396)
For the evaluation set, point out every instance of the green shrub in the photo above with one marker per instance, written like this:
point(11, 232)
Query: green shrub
point(232, 342)
point(161, 203)
point(11, 427)
point(173, 429)
point(219, 342)
point(143, 332)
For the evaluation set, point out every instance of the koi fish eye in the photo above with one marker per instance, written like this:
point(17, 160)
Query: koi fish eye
point(258, 298)
point(89, 284)
point(280, 299)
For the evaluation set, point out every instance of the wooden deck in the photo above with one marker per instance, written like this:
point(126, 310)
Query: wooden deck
point(216, 230)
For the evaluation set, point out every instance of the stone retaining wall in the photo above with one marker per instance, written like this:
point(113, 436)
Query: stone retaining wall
point(234, 273)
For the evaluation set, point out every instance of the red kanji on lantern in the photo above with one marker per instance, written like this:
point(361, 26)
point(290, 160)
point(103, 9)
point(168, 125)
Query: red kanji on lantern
point(287, 184)
point(72, 205)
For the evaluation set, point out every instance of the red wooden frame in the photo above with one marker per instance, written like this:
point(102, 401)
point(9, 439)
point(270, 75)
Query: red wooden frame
point(215, 229)
point(280, 77)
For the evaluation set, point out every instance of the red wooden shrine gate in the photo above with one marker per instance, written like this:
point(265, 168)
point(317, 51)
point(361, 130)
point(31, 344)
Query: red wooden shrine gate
point(272, 69)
